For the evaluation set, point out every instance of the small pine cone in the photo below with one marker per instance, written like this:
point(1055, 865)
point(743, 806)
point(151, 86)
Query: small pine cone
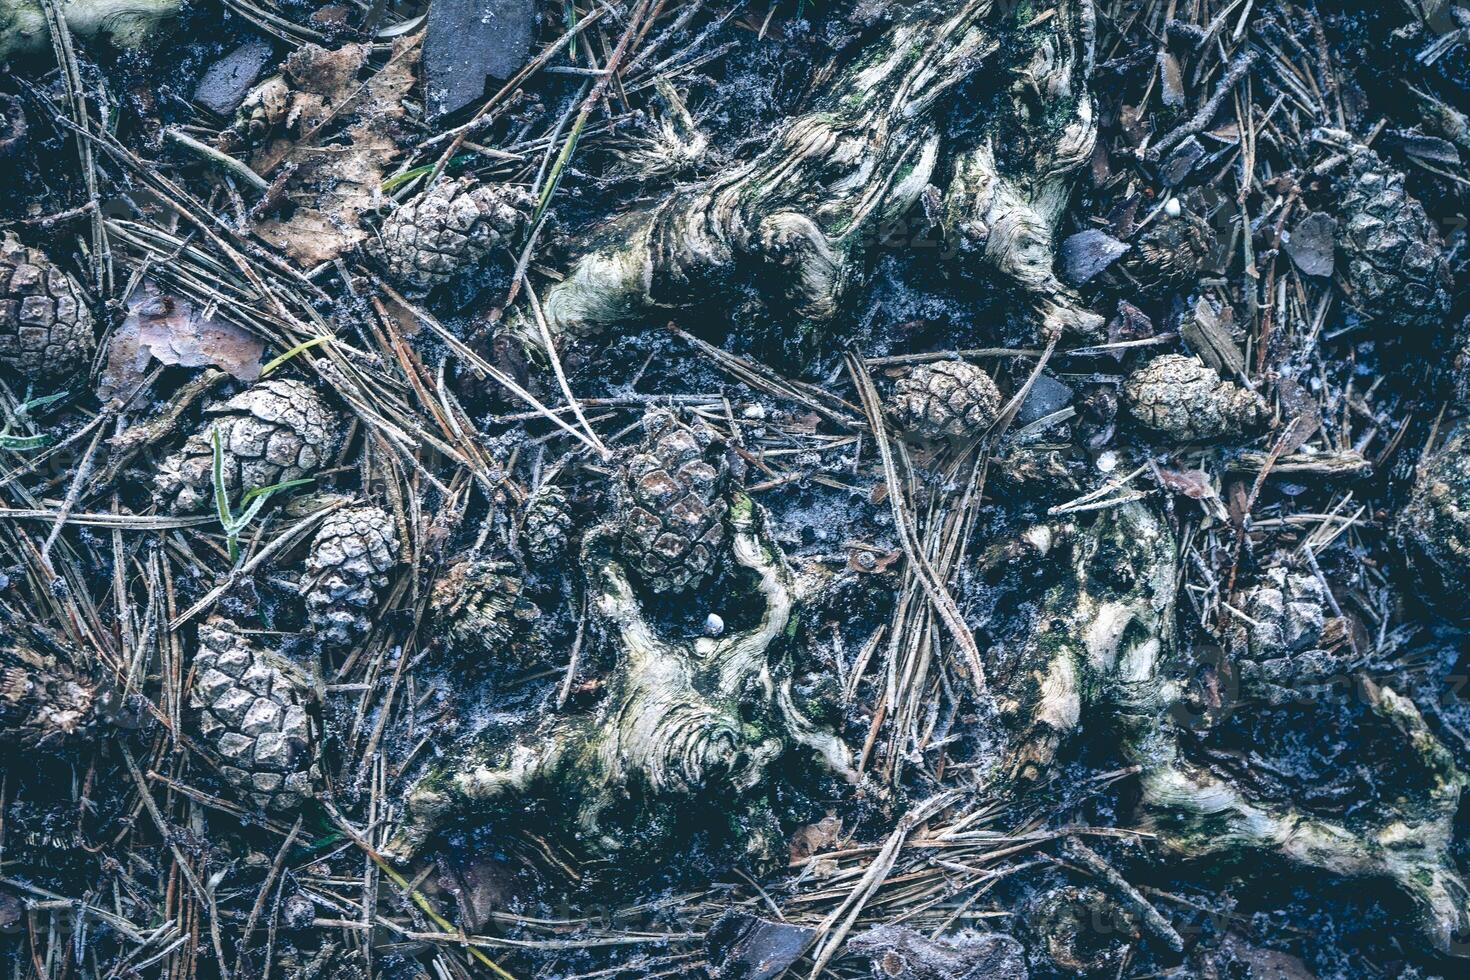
point(947, 399)
point(347, 567)
point(1170, 253)
point(1288, 612)
point(1397, 268)
point(670, 503)
point(1435, 525)
point(263, 111)
point(45, 326)
point(478, 608)
point(547, 526)
point(449, 228)
point(1181, 398)
point(252, 709)
point(44, 703)
point(276, 431)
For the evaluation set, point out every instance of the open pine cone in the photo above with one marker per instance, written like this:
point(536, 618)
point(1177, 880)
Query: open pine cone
point(478, 609)
point(1396, 263)
point(946, 400)
point(252, 706)
point(670, 503)
point(347, 567)
point(277, 431)
point(44, 704)
point(1181, 398)
point(546, 526)
point(447, 229)
point(45, 326)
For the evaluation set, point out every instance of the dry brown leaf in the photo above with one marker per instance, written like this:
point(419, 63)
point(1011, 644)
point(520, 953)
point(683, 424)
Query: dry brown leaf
point(815, 838)
point(171, 330)
point(1194, 484)
point(345, 144)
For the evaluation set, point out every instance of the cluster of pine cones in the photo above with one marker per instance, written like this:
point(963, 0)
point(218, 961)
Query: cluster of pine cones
point(669, 496)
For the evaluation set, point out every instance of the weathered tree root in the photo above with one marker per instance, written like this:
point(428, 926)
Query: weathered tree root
point(809, 205)
point(126, 23)
point(673, 724)
point(1107, 641)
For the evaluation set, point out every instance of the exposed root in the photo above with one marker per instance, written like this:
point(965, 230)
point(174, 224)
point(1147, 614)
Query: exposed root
point(808, 206)
point(681, 718)
point(1108, 642)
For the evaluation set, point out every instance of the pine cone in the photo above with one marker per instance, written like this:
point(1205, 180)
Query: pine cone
point(44, 703)
point(253, 711)
point(1435, 525)
point(279, 430)
point(670, 503)
point(1396, 264)
point(478, 608)
point(45, 326)
point(1170, 253)
point(263, 111)
point(350, 557)
point(547, 525)
point(1181, 398)
point(946, 399)
point(1288, 612)
point(449, 228)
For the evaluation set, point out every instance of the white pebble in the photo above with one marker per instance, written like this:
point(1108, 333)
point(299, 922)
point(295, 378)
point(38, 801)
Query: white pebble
point(713, 625)
point(1172, 207)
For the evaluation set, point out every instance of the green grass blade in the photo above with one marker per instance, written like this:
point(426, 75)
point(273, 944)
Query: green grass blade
point(221, 500)
point(23, 443)
point(305, 345)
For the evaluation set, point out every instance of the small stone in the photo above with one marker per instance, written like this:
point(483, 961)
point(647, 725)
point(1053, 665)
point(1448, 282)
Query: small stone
point(224, 84)
point(1312, 244)
point(713, 625)
point(468, 41)
point(744, 947)
point(1086, 254)
point(1046, 397)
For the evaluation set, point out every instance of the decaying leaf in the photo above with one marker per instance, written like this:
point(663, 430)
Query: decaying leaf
point(170, 329)
point(814, 838)
point(343, 141)
point(1194, 484)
